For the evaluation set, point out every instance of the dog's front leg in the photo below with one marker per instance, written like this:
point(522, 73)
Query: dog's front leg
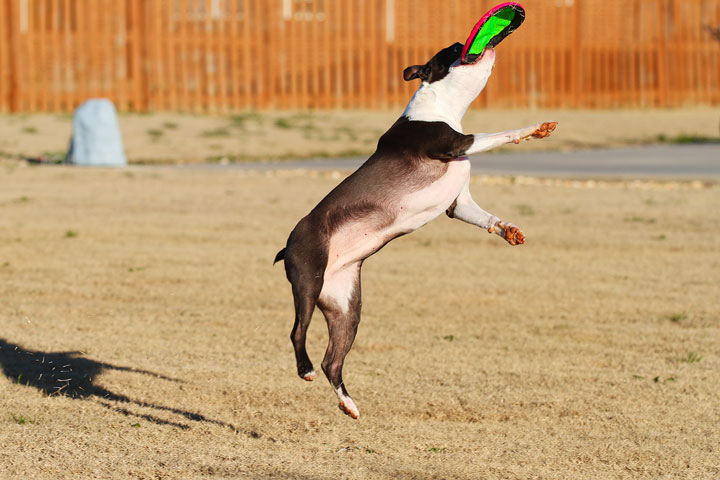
point(482, 142)
point(464, 208)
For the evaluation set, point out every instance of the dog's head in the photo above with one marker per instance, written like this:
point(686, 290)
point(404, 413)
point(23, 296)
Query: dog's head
point(447, 83)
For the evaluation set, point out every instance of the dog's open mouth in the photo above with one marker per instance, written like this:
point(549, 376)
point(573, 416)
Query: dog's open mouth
point(473, 58)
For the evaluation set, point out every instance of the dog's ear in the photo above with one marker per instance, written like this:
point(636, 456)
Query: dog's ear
point(416, 71)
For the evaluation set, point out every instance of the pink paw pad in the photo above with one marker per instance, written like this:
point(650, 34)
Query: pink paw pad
point(509, 232)
point(544, 130)
point(513, 235)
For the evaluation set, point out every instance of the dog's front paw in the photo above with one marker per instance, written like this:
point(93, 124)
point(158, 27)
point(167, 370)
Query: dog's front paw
point(509, 232)
point(544, 129)
point(513, 235)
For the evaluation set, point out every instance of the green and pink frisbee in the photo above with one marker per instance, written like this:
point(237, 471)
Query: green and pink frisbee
point(492, 29)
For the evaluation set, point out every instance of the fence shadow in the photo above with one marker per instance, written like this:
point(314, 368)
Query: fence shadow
point(72, 375)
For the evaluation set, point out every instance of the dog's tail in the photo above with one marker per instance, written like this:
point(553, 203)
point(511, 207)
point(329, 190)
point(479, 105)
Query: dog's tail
point(280, 256)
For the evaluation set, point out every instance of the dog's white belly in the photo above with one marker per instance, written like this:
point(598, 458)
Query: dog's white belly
point(418, 208)
point(358, 240)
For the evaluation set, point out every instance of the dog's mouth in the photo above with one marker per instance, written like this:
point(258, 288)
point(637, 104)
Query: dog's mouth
point(473, 58)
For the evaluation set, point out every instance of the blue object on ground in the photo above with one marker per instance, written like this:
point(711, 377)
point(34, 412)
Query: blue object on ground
point(96, 139)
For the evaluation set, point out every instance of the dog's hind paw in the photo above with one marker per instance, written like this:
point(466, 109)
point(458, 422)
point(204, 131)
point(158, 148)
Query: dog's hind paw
point(509, 232)
point(308, 376)
point(348, 406)
point(346, 403)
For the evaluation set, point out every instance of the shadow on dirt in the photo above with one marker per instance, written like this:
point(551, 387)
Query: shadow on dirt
point(72, 375)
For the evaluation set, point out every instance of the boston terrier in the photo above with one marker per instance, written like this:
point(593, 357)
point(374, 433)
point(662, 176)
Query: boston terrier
point(419, 170)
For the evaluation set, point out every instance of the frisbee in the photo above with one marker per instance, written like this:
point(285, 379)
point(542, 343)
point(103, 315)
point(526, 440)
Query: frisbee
point(492, 29)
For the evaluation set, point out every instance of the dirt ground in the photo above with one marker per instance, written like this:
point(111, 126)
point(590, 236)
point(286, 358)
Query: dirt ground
point(145, 333)
point(252, 136)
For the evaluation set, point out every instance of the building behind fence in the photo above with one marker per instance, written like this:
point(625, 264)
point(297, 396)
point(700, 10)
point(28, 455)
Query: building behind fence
point(222, 55)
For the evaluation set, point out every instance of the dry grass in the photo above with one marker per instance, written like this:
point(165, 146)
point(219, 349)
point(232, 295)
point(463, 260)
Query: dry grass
point(252, 136)
point(567, 357)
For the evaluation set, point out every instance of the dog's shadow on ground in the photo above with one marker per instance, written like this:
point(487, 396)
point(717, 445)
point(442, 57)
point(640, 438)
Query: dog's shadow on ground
point(72, 375)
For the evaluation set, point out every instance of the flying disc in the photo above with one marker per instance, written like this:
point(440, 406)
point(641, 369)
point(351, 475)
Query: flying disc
point(492, 29)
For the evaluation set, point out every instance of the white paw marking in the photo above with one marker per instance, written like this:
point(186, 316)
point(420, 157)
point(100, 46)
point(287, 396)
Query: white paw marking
point(346, 404)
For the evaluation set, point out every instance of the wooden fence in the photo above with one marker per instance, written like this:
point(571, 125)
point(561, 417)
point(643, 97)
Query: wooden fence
point(222, 55)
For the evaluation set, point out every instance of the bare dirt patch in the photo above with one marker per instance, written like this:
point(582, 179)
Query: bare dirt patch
point(592, 351)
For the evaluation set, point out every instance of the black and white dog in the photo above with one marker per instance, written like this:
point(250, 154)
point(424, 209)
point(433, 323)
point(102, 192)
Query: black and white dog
point(419, 170)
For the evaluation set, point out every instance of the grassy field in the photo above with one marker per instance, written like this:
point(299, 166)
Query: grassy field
point(145, 334)
point(253, 136)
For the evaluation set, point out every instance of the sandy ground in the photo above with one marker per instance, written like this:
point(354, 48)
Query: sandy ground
point(251, 136)
point(144, 334)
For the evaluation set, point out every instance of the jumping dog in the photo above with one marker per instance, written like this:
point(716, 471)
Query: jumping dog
point(419, 170)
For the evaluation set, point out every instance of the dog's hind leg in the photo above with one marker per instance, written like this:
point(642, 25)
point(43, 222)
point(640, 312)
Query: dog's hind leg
point(340, 302)
point(305, 301)
point(307, 282)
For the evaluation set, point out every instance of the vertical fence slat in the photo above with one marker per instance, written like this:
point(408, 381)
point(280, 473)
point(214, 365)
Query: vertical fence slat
point(349, 55)
point(44, 55)
point(4, 68)
point(660, 51)
point(233, 49)
point(196, 51)
point(182, 52)
point(304, 55)
point(269, 77)
point(170, 44)
point(92, 33)
point(146, 19)
point(223, 96)
point(16, 58)
point(337, 55)
point(28, 37)
point(245, 65)
point(205, 40)
point(326, 61)
point(314, 49)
